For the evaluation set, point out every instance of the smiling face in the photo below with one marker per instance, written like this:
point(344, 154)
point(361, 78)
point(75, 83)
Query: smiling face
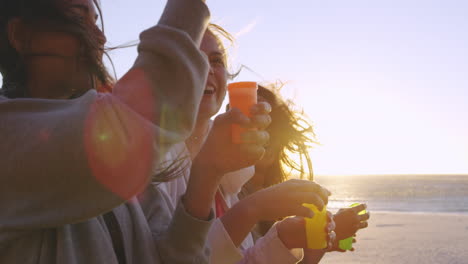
point(215, 89)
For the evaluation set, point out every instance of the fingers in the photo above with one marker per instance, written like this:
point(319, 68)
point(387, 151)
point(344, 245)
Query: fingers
point(309, 198)
point(261, 108)
point(299, 210)
point(253, 144)
point(359, 208)
point(255, 137)
point(354, 241)
point(330, 230)
point(260, 121)
point(331, 239)
point(364, 217)
point(330, 227)
point(259, 116)
point(252, 152)
point(233, 116)
point(362, 225)
point(309, 186)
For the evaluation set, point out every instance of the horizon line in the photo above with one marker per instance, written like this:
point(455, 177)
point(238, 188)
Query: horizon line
point(394, 174)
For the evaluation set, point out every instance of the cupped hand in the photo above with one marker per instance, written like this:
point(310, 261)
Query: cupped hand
point(221, 155)
point(292, 232)
point(286, 199)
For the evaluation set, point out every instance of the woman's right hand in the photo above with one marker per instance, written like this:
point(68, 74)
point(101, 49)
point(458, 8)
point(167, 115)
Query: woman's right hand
point(286, 199)
point(220, 155)
point(292, 232)
point(278, 201)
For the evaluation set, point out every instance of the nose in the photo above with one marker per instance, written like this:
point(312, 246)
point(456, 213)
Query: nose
point(100, 37)
point(211, 70)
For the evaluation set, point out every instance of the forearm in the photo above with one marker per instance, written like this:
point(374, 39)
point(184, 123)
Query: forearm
point(239, 220)
point(201, 188)
point(313, 256)
point(167, 80)
point(271, 250)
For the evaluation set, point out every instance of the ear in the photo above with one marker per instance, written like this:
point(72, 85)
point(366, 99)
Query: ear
point(16, 34)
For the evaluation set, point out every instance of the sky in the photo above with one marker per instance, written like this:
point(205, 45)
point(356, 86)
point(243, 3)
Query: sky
point(384, 82)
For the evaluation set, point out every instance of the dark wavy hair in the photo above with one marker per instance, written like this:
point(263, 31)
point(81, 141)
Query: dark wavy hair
point(292, 131)
point(292, 136)
point(46, 15)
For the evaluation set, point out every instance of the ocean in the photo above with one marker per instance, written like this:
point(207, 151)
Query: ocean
point(399, 193)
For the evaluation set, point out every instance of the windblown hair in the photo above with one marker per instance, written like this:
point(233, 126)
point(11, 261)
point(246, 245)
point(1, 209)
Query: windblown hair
point(47, 15)
point(294, 134)
point(171, 169)
point(220, 33)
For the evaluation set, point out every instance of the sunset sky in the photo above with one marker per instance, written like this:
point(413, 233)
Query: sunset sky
point(385, 82)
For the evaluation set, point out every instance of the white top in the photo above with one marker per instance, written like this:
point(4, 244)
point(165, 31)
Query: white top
point(269, 249)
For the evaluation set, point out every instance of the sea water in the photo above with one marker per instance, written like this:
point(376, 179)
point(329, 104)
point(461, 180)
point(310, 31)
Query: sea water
point(399, 193)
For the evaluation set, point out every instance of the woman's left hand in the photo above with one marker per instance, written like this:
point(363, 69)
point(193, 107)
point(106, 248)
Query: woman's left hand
point(348, 221)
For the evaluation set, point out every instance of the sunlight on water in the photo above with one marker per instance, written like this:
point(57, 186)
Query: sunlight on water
point(416, 193)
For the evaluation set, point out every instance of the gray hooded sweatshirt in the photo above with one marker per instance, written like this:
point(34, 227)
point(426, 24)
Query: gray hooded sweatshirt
point(60, 173)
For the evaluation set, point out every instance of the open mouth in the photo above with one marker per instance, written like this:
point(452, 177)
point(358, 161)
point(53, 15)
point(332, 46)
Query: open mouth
point(209, 90)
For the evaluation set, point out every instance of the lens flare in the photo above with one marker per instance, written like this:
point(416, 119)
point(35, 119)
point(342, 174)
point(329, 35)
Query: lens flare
point(119, 137)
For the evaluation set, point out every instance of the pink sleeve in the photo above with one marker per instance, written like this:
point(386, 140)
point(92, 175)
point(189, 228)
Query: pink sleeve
point(270, 250)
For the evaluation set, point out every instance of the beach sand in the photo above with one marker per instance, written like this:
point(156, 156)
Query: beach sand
point(409, 238)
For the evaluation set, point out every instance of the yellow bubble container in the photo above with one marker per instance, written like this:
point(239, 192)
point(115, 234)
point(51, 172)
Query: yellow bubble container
point(315, 228)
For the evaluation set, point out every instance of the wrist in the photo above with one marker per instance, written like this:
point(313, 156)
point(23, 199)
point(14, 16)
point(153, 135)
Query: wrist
point(247, 211)
point(239, 221)
point(204, 161)
point(200, 192)
point(282, 235)
point(204, 168)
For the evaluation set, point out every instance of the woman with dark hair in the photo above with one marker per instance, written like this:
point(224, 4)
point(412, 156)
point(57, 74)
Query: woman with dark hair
point(73, 160)
point(62, 35)
point(287, 154)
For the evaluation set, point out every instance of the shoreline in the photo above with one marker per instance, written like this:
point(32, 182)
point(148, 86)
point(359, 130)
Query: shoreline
point(408, 237)
point(415, 212)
